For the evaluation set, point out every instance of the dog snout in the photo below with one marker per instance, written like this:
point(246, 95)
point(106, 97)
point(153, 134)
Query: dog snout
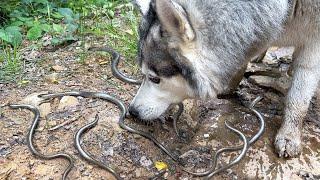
point(133, 112)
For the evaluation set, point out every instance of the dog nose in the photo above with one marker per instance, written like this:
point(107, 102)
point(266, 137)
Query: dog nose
point(133, 112)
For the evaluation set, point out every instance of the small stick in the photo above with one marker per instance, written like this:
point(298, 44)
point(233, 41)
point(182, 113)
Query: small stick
point(63, 124)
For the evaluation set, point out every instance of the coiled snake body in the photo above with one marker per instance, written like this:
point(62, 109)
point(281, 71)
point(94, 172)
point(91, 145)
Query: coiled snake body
point(123, 112)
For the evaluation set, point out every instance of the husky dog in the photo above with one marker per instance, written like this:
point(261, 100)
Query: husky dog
point(201, 48)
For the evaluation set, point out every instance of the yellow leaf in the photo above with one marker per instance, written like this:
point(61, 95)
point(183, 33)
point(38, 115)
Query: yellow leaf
point(161, 165)
point(103, 62)
point(24, 82)
point(55, 81)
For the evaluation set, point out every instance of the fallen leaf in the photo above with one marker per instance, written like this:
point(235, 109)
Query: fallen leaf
point(24, 82)
point(129, 31)
point(103, 62)
point(161, 165)
point(58, 68)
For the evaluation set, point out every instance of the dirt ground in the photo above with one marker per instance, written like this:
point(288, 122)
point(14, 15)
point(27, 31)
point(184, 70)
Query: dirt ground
point(133, 156)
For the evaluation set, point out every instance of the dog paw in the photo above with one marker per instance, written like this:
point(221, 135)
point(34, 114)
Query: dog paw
point(288, 144)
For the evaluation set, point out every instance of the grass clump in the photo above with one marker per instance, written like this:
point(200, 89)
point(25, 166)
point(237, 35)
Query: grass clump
point(64, 21)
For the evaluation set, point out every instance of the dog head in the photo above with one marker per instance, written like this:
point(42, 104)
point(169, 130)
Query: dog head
point(198, 49)
point(164, 31)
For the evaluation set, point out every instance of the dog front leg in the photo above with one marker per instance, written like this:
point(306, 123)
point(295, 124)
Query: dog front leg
point(304, 84)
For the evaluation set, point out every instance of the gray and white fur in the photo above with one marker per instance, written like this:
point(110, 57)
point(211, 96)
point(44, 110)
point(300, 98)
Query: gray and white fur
point(201, 48)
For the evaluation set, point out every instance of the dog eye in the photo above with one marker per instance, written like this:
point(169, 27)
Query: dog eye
point(155, 80)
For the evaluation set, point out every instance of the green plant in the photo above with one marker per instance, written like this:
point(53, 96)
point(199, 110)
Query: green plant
point(37, 17)
point(65, 31)
point(123, 34)
point(10, 39)
point(64, 21)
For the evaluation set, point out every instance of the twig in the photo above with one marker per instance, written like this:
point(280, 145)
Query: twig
point(63, 124)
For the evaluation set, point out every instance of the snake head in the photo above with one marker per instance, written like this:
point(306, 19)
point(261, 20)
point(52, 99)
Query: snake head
point(34, 99)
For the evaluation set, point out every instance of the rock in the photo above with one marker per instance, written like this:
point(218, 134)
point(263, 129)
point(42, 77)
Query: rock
point(45, 109)
point(264, 81)
point(206, 135)
point(166, 175)
point(276, 55)
point(281, 84)
point(271, 61)
point(261, 69)
point(58, 68)
point(284, 68)
point(51, 123)
point(284, 54)
point(107, 149)
point(82, 168)
point(4, 150)
point(191, 113)
point(33, 99)
point(86, 173)
point(190, 153)
point(145, 162)
point(68, 102)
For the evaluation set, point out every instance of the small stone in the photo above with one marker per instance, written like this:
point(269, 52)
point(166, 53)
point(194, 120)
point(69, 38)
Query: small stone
point(270, 59)
point(4, 150)
point(284, 54)
point(31, 162)
point(108, 149)
point(68, 102)
point(190, 153)
point(276, 55)
point(137, 136)
point(82, 168)
point(58, 68)
point(33, 99)
point(86, 173)
point(281, 84)
point(45, 109)
point(206, 135)
point(166, 175)
point(145, 162)
point(52, 123)
point(262, 80)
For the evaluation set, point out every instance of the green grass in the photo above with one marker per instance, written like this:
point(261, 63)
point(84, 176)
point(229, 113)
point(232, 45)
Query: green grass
point(121, 29)
point(115, 20)
point(124, 38)
point(10, 65)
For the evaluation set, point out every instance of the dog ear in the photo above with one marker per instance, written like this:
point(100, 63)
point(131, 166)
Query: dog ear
point(174, 19)
point(143, 5)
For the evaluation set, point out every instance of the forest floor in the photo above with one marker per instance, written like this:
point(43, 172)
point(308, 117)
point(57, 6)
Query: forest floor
point(133, 156)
